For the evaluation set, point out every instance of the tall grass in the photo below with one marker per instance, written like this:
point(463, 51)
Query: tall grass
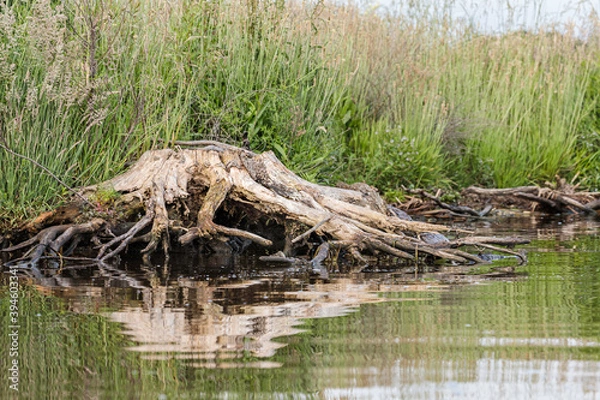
point(82, 93)
point(500, 110)
point(528, 97)
point(337, 92)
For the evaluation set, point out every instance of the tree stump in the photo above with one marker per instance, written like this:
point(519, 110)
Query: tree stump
point(176, 197)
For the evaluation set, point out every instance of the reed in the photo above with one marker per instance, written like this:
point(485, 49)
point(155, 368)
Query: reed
point(500, 110)
point(337, 92)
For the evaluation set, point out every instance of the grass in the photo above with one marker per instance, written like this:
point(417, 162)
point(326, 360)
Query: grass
point(337, 92)
point(67, 355)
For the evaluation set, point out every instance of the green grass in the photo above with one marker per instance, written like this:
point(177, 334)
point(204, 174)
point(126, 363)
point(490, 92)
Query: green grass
point(530, 102)
point(337, 93)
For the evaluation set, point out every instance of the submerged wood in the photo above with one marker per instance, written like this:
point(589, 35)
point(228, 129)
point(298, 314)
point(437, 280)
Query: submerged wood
point(179, 197)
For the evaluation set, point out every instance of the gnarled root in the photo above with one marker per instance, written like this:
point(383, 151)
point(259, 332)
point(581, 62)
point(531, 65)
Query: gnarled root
point(190, 195)
point(50, 241)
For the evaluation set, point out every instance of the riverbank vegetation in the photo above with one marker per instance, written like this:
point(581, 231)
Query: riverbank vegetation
point(337, 92)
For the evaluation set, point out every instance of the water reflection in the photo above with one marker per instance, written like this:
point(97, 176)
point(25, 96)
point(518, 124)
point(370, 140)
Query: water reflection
point(213, 324)
point(538, 227)
point(225, 328)
point(487, 378)
point(202, 330)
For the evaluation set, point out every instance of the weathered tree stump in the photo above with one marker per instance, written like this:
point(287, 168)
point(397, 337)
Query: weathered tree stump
point(177, 197)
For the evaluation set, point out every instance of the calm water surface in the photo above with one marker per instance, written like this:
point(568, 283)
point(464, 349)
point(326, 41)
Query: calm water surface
point(231, 328)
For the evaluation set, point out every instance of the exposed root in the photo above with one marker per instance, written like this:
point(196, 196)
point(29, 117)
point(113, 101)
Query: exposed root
point(160, 224)
point(48, 242)
point(317, 261)
point(376, 244)
point(125, 238)
point(466, 255)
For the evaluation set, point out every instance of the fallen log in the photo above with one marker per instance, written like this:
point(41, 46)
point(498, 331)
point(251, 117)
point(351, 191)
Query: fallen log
point(557, 198)
point(214, 192)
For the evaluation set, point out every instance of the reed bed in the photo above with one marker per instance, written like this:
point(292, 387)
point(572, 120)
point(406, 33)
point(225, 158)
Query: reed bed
point(338, 92)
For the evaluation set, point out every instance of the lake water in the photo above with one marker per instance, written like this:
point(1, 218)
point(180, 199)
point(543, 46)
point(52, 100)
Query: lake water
point(228, 328)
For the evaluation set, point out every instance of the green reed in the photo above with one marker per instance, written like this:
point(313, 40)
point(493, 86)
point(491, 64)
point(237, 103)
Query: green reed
point(499, 110)
point(337, 92)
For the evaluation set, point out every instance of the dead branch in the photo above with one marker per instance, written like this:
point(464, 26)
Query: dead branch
point(477, 240)
point(520, 255)
point(279, 257)
point(501, 192)
point(541, 200)
point(560, 197)
point(310, 231)
point(458, 210)
point(593, 205)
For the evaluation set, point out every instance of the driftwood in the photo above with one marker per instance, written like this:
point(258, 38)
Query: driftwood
point(455, 210)
point(214, 192)
point(557, 198)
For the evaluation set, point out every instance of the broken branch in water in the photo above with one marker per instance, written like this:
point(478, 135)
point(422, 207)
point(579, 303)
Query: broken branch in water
point(457, 210)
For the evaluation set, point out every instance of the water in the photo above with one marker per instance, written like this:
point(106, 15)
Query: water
point(230, 329)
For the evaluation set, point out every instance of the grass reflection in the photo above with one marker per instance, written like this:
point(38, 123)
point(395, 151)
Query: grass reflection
point(67, 355)
point(523, 335)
